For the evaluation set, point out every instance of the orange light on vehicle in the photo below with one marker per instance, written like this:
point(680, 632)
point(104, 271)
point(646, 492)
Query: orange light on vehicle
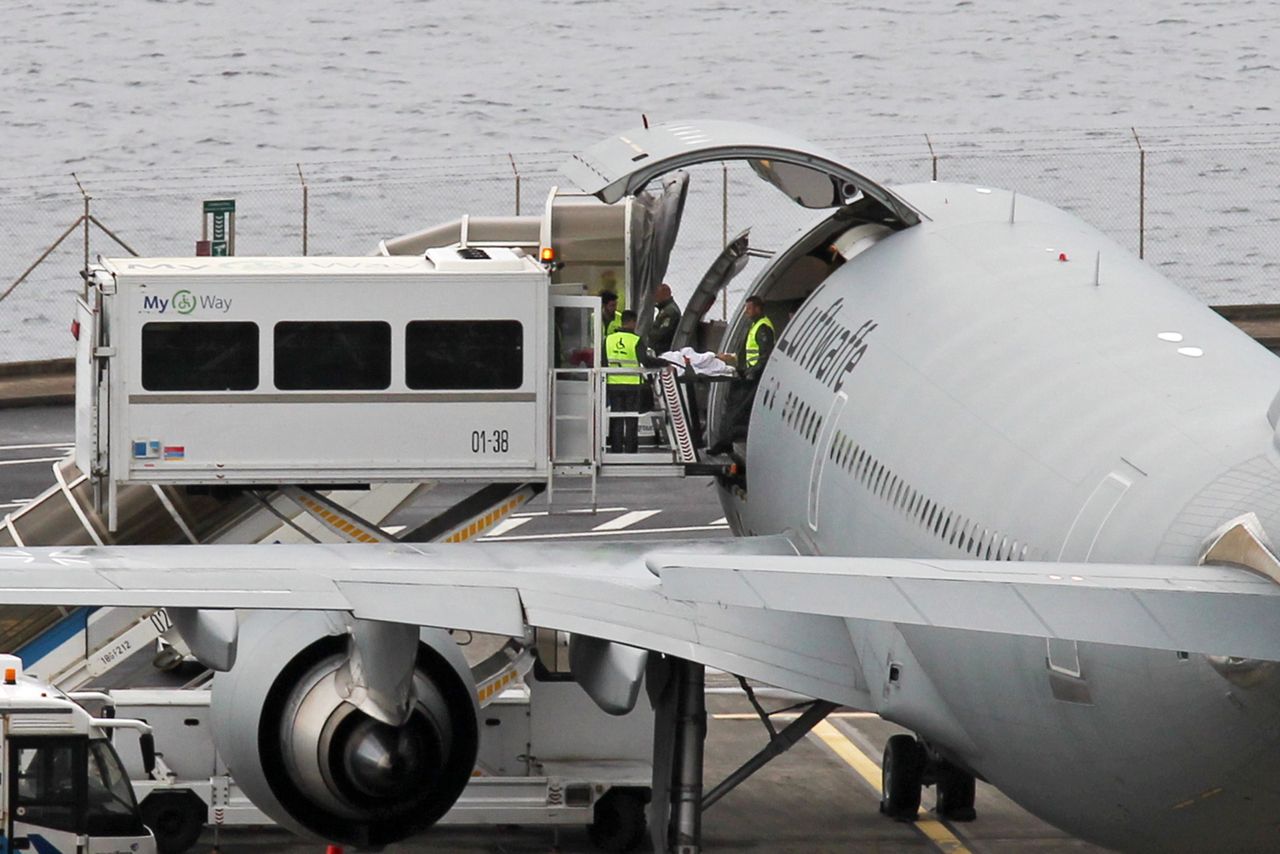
point(10, 676)
point(548, 254)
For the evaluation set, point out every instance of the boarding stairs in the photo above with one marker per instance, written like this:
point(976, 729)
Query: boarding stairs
point(579, 438)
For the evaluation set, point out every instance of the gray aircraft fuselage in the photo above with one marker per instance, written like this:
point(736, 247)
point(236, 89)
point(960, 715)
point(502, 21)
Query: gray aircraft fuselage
point(960, 391)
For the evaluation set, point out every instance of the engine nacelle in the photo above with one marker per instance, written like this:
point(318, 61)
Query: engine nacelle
point(321, 767)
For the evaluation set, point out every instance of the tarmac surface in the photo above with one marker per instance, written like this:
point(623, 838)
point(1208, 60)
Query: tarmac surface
point(822, 796)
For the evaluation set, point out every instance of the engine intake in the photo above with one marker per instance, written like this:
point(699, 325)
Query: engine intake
point(319, 765)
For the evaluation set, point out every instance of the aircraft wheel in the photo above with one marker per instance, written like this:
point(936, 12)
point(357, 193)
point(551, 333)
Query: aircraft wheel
point(901, 777)
point(956, 790)
point(618, 824)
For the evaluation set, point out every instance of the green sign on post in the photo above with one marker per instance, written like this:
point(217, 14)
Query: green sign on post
point(223, 214)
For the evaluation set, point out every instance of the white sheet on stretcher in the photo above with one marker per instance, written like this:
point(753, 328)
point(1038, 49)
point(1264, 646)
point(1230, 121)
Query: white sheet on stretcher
point(706, 364)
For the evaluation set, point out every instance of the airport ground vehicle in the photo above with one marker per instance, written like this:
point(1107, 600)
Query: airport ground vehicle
point(63, 788)
point(529, 770)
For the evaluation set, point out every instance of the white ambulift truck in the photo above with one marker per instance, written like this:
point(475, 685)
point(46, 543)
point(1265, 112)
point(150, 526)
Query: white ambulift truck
point(63, 788)
point(286, 378)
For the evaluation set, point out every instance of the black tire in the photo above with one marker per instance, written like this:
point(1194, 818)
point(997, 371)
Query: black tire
point(901, 777)
point(956, 790)
point(175, 818)
point(618, 824)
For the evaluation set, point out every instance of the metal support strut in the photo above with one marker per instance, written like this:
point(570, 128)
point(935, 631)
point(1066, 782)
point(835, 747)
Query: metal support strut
point(779, 743)
point(691, 736)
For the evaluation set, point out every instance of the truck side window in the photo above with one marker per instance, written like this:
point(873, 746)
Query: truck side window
point(200, 356)
point(111, 809)
point(332, 355)
point(464, 354)
point(49, 777)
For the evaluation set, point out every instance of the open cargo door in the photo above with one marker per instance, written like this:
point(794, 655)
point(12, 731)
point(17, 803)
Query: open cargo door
point(728, 264)
point(655, 224)
point(811, 177)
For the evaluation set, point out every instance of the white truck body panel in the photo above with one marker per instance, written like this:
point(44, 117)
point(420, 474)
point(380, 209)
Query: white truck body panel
point(266, 434)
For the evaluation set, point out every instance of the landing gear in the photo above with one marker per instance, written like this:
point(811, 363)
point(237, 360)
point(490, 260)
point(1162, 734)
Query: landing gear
point(908, 767)
point(955, 793)
point(902, 777)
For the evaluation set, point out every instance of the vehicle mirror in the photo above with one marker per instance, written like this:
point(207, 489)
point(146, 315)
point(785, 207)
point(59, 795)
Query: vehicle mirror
point(147, 744)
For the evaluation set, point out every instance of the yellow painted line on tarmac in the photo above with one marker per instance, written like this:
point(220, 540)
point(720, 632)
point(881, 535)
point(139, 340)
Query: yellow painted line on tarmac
point(786, 716)
point(839, 744)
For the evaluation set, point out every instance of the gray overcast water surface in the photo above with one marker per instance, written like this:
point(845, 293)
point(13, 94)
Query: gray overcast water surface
point(389, 106)
point(139, 83)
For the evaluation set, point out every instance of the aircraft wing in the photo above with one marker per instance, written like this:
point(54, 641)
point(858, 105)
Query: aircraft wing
point(750, 606)
point(1217, 610)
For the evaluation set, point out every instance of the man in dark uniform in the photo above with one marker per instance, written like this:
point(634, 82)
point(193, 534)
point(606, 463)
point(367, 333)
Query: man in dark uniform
point(610, 322)
point(665, 323)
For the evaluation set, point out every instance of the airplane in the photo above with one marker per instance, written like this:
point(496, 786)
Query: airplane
point(1005, 485)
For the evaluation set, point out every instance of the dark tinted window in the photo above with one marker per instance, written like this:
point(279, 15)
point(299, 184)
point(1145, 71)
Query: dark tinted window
point(464, 354)
point(49, 776)
point(110, 807)
point(333, 355)
point(200, 356)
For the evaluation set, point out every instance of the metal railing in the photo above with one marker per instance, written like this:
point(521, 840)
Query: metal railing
point(1200, 205)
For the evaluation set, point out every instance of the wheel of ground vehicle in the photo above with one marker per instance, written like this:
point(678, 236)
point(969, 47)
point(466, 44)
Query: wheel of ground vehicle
point(956, 791)
point(175, 818)
point(619, 822)
point(900, 777)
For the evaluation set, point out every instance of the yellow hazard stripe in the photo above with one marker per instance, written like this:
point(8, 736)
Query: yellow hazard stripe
point(337, 523)
point(839, 744)
point(496, 686)
point(483, 523)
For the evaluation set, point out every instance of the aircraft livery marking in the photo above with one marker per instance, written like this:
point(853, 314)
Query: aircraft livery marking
point(824, 346)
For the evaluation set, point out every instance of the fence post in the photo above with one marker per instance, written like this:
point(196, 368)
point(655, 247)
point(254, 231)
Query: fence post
point(1142, 195)
point(84, 219)
point(932, 156)
point(515, 172)
point(306, 207)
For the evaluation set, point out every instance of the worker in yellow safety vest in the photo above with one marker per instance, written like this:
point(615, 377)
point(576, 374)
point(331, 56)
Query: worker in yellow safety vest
point(750, 360)
point(625, 391)
point(757, 346)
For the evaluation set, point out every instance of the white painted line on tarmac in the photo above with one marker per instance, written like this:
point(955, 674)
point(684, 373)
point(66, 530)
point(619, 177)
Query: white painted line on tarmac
point(626, 520)
point(721, 521)
point(28, 462)
point(508, 524)
point(624, 533)
point(576, 512)
point(67, 445)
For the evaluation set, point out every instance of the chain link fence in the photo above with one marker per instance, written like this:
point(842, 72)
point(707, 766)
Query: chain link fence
point(1203, 206)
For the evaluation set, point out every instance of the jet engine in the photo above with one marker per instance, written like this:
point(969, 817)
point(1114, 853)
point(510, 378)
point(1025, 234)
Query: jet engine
point(319, 765)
